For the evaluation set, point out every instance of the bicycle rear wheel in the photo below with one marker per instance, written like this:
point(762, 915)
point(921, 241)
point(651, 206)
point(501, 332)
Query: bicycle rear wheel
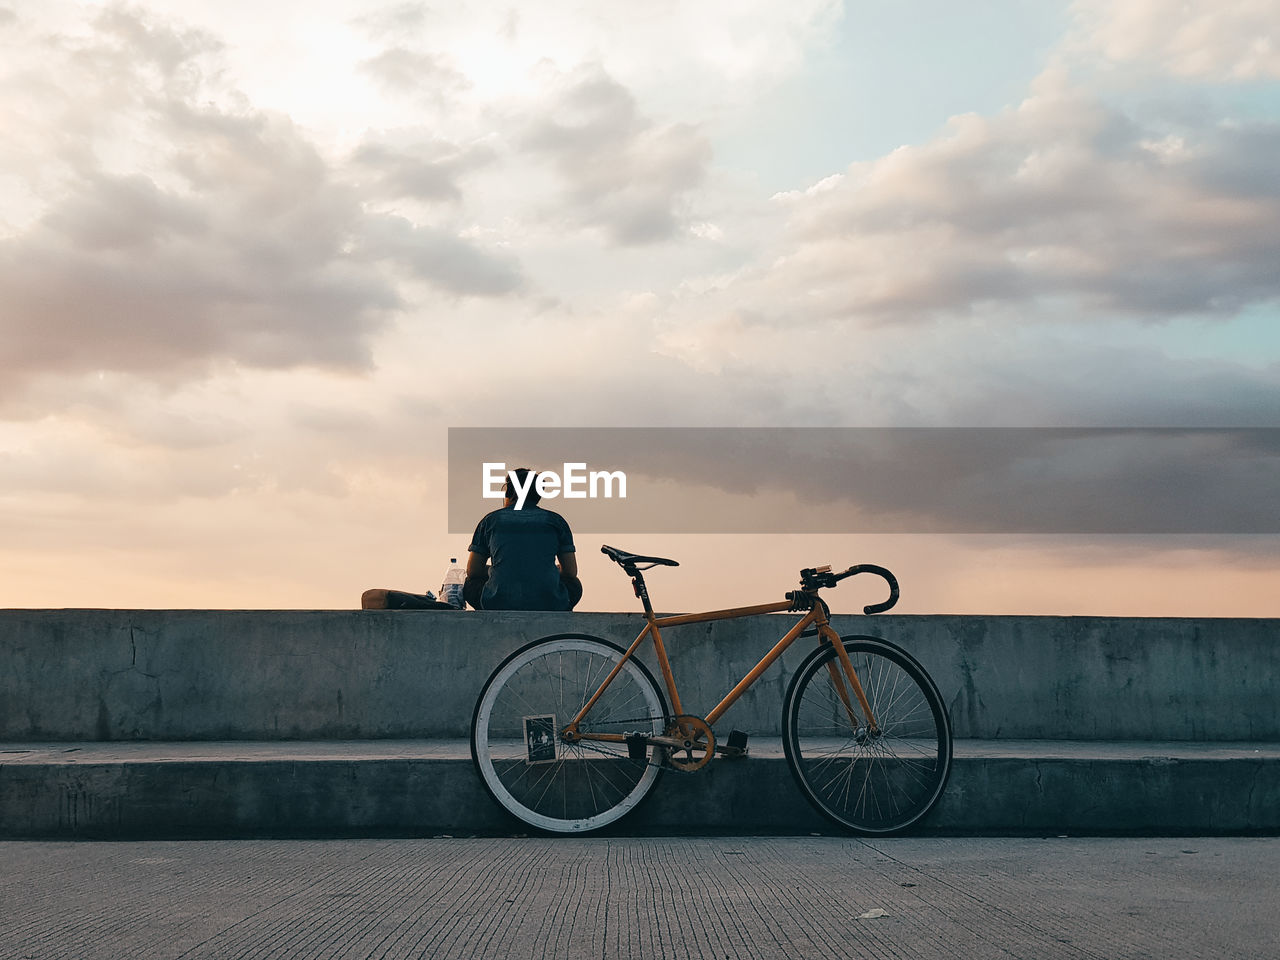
point(549, 784)
point(871, 782)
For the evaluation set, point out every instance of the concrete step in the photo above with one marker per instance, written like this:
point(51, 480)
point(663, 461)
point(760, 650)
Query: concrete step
point(429, 787)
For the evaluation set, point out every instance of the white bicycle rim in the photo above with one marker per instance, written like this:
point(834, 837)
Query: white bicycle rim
point(484, 759)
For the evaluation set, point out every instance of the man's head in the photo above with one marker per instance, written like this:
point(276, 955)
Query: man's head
point(528, 480)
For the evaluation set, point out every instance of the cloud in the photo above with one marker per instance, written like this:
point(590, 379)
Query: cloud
point(128, 441)
point(622, 172)
point(1213, 40)
point(172, 225)
point(427, 169)
point(701, 55)
point(430, 78)
point(390, 22)
point(242, 259)
point(440, 257)
point(1062, 205)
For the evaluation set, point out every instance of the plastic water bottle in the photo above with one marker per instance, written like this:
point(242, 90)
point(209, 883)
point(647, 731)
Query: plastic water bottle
point(451, 589)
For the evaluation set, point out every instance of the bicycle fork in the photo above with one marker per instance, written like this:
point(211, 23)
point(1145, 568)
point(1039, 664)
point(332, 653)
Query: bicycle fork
point(829, 635)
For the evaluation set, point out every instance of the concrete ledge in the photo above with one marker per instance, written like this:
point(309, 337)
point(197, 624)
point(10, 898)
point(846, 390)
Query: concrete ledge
point(354, 675)
point(415, 788)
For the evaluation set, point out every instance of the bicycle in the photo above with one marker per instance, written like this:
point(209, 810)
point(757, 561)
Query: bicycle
point(571, 732)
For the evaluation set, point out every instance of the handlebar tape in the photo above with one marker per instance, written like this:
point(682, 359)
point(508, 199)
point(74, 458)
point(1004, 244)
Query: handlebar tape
point(879, 571)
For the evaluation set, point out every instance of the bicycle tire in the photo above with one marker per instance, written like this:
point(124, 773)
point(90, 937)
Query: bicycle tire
point(868, 784)
point(586, 785)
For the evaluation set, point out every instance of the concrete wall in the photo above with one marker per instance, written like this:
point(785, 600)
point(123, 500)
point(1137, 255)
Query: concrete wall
point(208, 675)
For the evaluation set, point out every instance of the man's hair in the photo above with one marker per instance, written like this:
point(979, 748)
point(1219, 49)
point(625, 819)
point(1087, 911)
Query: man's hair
point(522, 477)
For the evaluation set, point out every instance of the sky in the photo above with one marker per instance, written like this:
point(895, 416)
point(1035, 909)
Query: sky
point(257, 259)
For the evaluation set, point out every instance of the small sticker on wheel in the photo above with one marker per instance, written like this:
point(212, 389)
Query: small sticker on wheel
point(540, 739)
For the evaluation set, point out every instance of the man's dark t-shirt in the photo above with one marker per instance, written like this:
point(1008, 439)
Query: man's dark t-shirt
point(522, 546)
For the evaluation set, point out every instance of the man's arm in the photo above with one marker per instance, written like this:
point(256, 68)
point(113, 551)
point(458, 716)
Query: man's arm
point(477, 577)
point(569, 577)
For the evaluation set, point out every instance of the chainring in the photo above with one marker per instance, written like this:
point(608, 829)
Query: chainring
point(699, 743)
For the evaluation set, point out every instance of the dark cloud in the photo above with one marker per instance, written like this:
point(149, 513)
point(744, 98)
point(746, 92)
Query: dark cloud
point(623, 173)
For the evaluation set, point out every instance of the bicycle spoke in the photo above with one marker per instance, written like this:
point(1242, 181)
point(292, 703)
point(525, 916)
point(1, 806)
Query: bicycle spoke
point(877, 780)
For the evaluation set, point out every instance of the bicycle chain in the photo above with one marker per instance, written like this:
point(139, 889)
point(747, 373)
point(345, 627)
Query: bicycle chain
point(586, 744)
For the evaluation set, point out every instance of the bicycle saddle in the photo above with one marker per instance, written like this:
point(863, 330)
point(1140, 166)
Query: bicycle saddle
point(624, 558)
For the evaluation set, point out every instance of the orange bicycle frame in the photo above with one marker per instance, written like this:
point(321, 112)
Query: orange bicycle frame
point(815, 617)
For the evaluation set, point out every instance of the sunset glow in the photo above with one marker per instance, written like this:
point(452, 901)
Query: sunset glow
point(256, 259)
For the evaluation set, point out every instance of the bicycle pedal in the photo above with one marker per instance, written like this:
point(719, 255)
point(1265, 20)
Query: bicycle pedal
point(735, 746)
point(637, 746)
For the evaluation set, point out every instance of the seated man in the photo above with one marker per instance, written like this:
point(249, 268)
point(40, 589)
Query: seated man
point(514, 553)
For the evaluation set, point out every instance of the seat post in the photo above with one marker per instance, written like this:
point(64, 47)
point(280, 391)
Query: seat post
point(637, 583)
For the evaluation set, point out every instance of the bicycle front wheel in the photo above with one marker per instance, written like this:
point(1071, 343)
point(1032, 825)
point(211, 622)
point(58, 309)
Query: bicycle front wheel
point(877, 780)
point(550, 784)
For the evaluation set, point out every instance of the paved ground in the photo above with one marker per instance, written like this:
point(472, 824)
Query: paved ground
point(651, 898)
